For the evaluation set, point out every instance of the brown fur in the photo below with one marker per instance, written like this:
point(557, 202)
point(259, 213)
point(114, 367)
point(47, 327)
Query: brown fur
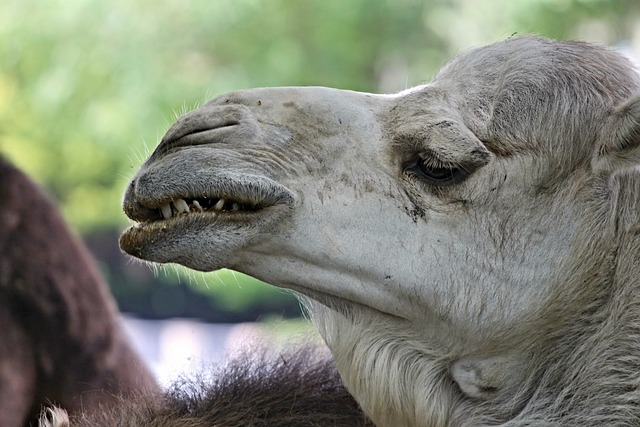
point(61, 340)
point(293, 389)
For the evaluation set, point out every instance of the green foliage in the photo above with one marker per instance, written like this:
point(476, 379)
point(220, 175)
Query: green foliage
point(228, 288)
point(87, 87)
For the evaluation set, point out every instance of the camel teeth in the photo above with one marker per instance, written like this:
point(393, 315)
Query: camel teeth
point(181, 206)
point(197, 207)
point(165, 210)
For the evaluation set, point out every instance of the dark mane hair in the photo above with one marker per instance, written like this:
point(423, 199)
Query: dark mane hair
point(259, 389)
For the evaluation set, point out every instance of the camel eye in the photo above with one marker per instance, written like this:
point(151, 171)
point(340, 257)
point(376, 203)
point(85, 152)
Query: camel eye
point(438, 174)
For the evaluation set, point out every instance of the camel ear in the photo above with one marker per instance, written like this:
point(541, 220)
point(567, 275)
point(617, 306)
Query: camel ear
point(620, 139)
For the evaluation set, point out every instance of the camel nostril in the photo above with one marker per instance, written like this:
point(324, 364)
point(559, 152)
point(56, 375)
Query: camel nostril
point(192, 135)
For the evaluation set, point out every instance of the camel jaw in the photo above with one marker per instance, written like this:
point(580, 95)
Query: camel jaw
point(231, 211)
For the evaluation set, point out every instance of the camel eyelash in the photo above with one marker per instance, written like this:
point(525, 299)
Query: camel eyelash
point(436, 172)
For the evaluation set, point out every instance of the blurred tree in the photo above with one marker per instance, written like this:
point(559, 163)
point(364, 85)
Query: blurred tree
point(87, 87)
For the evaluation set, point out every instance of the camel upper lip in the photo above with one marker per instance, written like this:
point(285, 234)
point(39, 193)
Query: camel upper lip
point(225, 195)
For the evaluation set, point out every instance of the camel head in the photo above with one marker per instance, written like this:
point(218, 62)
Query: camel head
point(462, 246)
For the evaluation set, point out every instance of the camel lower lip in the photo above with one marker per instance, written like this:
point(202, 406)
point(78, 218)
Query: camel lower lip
point(139, 239)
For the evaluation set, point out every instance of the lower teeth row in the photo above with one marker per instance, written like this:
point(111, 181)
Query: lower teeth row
point(181, 207)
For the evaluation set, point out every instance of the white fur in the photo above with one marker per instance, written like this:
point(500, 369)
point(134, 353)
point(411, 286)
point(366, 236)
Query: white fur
point(54, 417)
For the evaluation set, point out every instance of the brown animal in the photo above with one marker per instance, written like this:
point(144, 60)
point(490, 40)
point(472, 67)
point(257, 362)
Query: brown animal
point(60, 338)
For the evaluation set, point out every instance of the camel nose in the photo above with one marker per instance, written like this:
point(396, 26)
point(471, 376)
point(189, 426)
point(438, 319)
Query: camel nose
point(206, 125)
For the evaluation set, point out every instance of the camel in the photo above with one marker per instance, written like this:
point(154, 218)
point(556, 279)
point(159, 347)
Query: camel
point(62, 342)
point(468, 248)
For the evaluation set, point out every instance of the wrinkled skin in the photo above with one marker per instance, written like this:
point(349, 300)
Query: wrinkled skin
point(454, 243)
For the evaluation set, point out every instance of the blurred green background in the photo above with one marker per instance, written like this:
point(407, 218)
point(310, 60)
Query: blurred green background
point(88, 87)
